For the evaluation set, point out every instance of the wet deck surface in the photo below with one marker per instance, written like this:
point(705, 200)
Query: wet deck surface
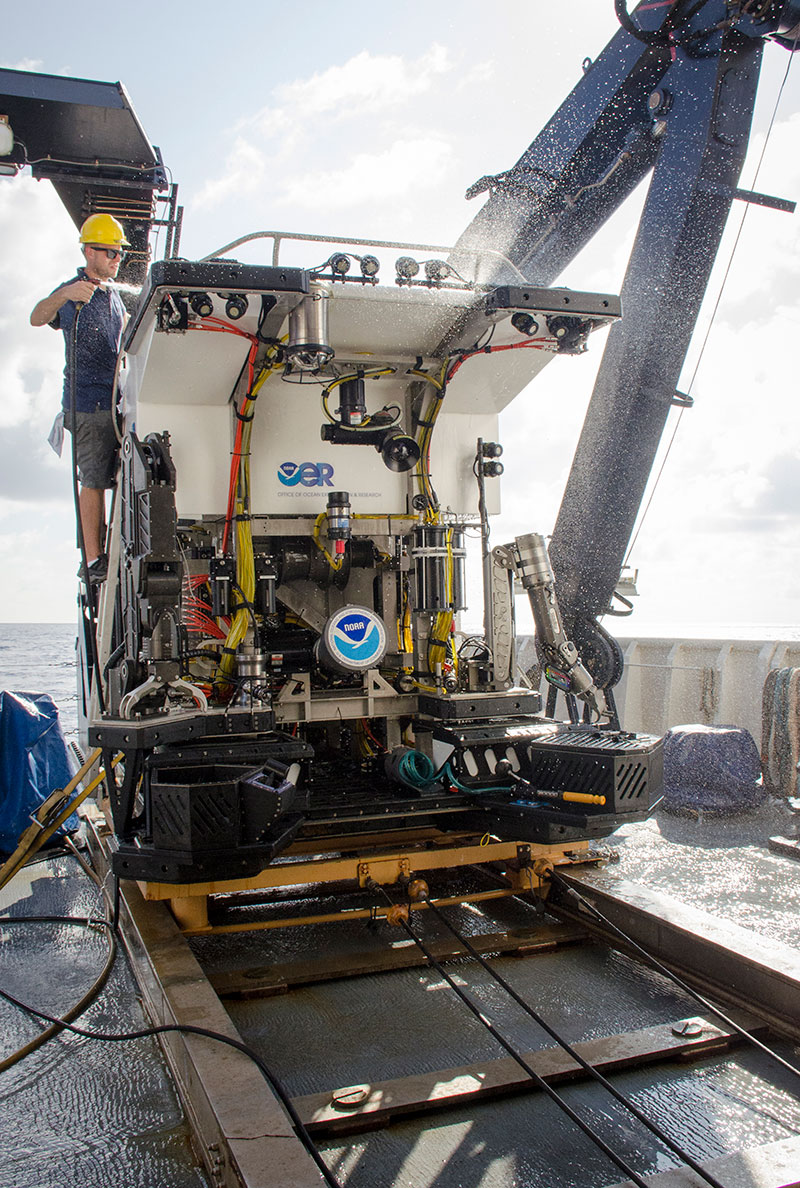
point(721, 864)
point(355, 1031)
point(79, 1113)
point(85, 1114)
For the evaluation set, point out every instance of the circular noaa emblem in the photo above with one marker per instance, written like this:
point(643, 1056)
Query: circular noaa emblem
point(356, 637)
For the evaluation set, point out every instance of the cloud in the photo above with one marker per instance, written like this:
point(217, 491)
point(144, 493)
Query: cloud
point(39, 558)
point(376, 94)
point(39, 251)
point(244, 173)
point(379, 80)
point(29, 470)
point(23, 64)
point(781, 493)
point(387, 176)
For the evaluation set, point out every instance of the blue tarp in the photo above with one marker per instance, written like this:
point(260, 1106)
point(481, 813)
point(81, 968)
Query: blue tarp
point(34, 760)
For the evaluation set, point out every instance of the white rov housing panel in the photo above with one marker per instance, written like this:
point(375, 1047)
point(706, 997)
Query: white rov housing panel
point(200, 440)
point(183, 382)
point(292, 470)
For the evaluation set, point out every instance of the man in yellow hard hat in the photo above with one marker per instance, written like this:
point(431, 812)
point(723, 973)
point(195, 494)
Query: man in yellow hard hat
point(91, 373)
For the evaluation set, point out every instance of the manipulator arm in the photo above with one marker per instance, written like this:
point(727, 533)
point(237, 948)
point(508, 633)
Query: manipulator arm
point(532, 564)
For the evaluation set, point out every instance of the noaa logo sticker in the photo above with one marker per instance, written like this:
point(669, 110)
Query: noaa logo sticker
point(354, 639)
point(305, 474)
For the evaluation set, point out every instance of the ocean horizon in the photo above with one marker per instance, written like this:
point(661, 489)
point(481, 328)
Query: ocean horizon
point(41, 657)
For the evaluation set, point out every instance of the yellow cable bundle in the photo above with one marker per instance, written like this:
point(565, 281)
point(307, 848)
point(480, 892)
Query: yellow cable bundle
point(246, 580)
point(424, 441)
point(334, 562)
point(441, 635)
point(245, 560)
point(449, 587)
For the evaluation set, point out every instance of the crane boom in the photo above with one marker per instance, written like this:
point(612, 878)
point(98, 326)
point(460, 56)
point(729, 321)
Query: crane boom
point(673, 95)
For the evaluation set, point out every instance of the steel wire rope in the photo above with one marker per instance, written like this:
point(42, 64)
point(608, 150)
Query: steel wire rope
point(715, 310)
point(497, 1035)
point(742, 1032)
point(586, 1065)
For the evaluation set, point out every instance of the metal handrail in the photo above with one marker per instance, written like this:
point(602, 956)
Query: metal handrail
point(278, 236)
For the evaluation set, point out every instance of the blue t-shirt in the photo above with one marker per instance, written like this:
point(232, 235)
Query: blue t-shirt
point(99, 335)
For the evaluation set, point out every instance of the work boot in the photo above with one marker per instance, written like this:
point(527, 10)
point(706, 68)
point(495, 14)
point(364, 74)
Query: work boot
point(96, 571)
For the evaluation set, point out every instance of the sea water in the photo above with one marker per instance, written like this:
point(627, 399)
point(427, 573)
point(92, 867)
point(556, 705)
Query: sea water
point(40, 658)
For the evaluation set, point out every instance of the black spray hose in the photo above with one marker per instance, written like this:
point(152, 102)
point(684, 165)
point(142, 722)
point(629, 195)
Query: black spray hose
point(73, 427)
point(571, 1051)
point(187, 1029)
point(85, 1001)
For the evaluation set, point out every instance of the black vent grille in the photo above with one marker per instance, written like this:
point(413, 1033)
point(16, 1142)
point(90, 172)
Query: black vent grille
point(626, 770)
point(196, 808)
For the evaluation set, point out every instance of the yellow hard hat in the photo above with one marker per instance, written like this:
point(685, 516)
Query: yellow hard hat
point(105, 230)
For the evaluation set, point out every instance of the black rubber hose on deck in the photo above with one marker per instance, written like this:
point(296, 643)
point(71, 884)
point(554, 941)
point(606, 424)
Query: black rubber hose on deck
point(83, 1003)
point(186, 1029)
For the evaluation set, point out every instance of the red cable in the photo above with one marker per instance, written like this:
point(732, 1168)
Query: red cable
point(537, 344)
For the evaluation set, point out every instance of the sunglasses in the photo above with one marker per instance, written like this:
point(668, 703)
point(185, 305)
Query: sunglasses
point(112, 253)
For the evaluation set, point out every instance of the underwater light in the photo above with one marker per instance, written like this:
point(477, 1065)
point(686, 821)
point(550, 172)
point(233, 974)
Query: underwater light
point(201, 304)
point(406, 267)
point(369, 266)
point(236, 307)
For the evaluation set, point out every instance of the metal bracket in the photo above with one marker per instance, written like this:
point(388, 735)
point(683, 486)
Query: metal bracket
point(681, 400)
point(392, 870)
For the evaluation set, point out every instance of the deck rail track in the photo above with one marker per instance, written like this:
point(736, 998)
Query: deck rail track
point(244, 1135)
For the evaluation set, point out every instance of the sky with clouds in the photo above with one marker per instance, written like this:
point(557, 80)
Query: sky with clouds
point(372, 120)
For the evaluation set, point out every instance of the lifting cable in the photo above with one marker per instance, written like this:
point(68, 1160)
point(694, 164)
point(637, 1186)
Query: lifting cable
point(537, 1080)
point(714, 311)
point(588, 1068)
point(587, 906)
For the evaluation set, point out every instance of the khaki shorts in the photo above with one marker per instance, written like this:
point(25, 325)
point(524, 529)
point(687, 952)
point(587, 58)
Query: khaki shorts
point(96, 447)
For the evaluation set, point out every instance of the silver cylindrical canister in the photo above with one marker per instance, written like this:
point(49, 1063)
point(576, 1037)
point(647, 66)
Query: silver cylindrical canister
point(439, 556)
point(536, 574)
point(251, 664)
point(535, 568)
point(339, 514)
point(308, 347)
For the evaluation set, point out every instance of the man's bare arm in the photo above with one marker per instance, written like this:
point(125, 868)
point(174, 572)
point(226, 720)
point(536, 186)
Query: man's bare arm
point(46, 309)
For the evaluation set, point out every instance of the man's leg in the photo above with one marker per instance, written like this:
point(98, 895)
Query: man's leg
point(92, 504)
point(96, 452)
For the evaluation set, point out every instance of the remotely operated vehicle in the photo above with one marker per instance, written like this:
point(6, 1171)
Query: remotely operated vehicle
point(303, 456)
point(277, 651)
